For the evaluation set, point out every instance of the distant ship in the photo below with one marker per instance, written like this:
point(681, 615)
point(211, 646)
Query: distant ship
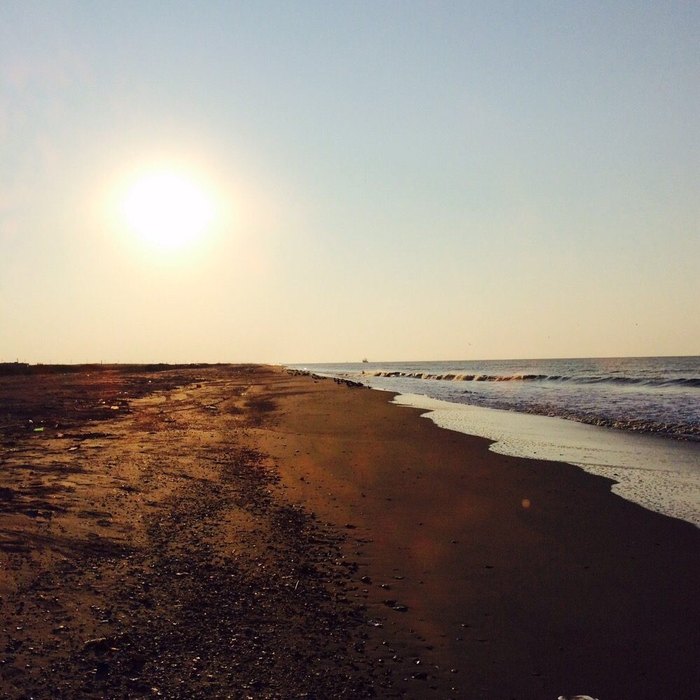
point(364, 359)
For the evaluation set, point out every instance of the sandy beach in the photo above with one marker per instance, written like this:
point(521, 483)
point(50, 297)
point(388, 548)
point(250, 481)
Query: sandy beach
point(243, 532)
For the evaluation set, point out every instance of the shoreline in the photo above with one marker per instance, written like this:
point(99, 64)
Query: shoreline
point(263, 512)
point(621, 393)
point(658, 473)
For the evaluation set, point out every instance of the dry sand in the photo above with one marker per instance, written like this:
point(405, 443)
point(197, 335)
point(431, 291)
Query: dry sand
point(234, 531)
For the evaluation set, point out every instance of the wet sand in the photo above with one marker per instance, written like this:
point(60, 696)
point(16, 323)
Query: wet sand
point(236, 531)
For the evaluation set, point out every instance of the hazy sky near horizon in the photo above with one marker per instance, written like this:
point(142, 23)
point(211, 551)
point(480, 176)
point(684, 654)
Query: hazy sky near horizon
point(391, 180)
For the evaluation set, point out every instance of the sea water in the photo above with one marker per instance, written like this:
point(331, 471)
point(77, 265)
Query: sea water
point(634, 420)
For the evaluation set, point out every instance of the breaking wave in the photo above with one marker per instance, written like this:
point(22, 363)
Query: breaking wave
point(684, 382)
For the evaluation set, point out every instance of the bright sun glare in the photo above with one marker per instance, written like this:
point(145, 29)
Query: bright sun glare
point(167, 210)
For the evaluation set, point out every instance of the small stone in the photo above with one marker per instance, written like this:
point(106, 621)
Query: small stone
point(99, 645)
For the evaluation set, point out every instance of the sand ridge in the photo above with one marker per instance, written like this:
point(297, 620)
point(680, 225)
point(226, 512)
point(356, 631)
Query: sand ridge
point(150, 553)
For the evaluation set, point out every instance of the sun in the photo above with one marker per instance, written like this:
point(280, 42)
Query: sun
point(167, 210)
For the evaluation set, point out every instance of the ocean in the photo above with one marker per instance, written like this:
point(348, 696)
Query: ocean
point(633, 420)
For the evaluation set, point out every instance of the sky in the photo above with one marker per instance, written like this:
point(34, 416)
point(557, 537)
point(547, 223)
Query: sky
point(389, 180)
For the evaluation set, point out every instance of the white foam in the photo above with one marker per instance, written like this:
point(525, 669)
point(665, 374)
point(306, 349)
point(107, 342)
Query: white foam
point(660, 474)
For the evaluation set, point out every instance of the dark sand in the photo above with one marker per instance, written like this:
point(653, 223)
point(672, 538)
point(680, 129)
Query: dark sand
point(240, 532)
